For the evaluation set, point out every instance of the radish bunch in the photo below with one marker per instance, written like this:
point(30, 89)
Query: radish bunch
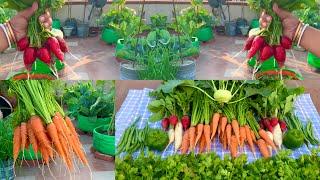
point(258, 46)
point(270, 123)
point(53, 47)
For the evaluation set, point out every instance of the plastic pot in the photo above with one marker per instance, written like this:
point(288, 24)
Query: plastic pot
point(255, 23)
point(56, 24)
point(83, 30)
point(6, 170)
point(128, 72)
point(67, 30)
point(88, 124)
point(195, 42)
point(5, 106)
point(204, 34)
point(120, 44)
point(244, 30)
point(313, 60)
point(110, 36)
point(187, 70)
point(231, 27)
point(71, 22)
point(103, 143)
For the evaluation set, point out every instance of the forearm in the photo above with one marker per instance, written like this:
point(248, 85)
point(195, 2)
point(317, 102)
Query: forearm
point(3, 41)
point(311, 40)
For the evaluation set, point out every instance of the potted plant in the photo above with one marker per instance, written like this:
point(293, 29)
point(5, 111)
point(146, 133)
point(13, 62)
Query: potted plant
point(6, 156)
point(90, 103)
point(199, 19)
point(159, 21)
point(113, 18)
point(104, 136)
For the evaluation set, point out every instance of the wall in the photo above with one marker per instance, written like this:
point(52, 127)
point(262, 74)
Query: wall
point(77, 11)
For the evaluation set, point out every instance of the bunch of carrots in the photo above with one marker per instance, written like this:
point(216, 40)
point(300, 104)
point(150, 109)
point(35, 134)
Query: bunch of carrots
point(42, 124)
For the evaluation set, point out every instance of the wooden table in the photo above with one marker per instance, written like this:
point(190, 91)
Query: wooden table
point(122, 88)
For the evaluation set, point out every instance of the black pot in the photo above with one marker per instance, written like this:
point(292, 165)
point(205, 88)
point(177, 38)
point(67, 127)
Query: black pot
point(5, 106)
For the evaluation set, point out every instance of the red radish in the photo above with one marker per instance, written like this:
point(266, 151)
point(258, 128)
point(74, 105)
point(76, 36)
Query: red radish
point(265, 53)
point(283, 126)
point(63, 45)
point(29, 56)
point(165, 123)
point(23, 44)
point(267, 124)
point(261, 125)
point(55, 48)
point(285, 42)
point(173, 120)
point(248, 43)
point(280, 55)
point(44, 55)
point(274, 122)
point(185, 120)
point(257, 44)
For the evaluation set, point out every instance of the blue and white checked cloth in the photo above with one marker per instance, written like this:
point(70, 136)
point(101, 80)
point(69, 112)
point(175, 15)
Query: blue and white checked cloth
point(137, 101)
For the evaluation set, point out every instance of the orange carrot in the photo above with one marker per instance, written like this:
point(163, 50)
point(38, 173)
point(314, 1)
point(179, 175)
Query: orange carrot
point(242, 135)
point(224, 141)
point(44, 153)
point(23, 134)
point(53, 134)
point(228, 133)
point(71, 127)
point(219, 126)
point(185, 142)
point(263, 148)
point(253, 135)
point(224, 121)
point(27, 143)
point(192, 132)
point(16, 142)
point(266, 138)
point(40, 132)
point(32, 138)
point(199, 133)
point(235, 127)
point(65, 148)
point(206, 133)
point(249, 139)
point(202, 143)
point(234, 146)
point(214, 124)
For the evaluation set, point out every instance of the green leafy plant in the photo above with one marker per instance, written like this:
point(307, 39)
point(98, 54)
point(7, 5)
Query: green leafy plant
point(158, 21)
point(6, 136)
point(6, 14)
point(91, 100)
point(309, 16)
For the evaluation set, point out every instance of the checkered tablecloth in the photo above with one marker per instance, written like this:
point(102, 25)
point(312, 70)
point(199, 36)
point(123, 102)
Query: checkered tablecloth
point(137, 101)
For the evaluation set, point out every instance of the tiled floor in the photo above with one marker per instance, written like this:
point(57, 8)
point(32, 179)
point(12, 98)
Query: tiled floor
point(216, 61)
point(101, 170)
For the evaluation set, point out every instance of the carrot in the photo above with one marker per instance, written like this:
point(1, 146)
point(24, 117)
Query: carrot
point(23, 134)
point(199, 133)
point(53, 134)
point(242, 135)
point(71, 127)
point(214, 124)
point(235, 127)
point(65, 148)
point(228, 134)
point(192, 132)
point(224, 141)
point(44, 153)
point(249, 139)
point(202, 144)
point(40, 132)
point(27, 143)
point(263, 148)
point(253, 135)
point(32, 138)
point(16, 142)
point(223, 122)
point(206, 133)
point(234, 146)
point(265, 137)
point(185, 142)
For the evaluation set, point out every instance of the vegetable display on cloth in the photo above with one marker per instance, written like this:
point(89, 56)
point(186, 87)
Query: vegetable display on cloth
point(270, 42)
point(39, 43)
point(235, 113)
point(40, 122)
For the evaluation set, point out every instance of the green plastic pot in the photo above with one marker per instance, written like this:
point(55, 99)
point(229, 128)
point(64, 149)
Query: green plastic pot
point(110, 36)
point(269, 64)
point(29, 154)
point(204, 34)
point(56, 24)
point(313, 60)
point(88, 124)
point(103, 143)
point(195, 42)
point(40, 67)
point(120, 44)
point(255, 23)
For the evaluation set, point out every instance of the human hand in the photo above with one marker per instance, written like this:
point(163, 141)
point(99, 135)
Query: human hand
point(19, 23)
point(289, 22)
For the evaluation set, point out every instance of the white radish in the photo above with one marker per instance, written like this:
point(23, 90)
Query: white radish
point(271, 137)
point(171, 137)
point(277, 136)
point(178, 133)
